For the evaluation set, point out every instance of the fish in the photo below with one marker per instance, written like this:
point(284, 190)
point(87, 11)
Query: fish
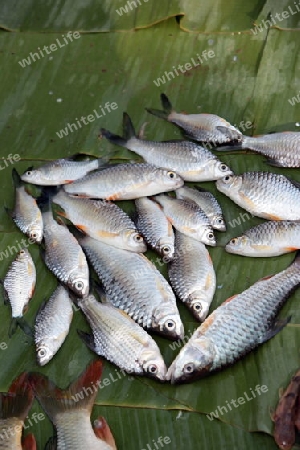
point(125, 182)
point(200, 127)
point(120, 340)
point(60, 171)
point(133, 284)
point(263, 194)
point(187, 218)
point(155, 227)
point(102, 220)
point(285, 415)
point(207, 202)
point(189, 160)
point(70, 409)
point(236, 327)
point(52, 325)
point(64, 256)
point(14, 408)
point(19, 285)
point(271, 238)
point(26, 214)
point(281, 149)
point(192, 276)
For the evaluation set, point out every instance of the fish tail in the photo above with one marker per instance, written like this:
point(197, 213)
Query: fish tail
point(29, 443)
point(45, 199)
point(113, 138)
point(167, 108)
point(19, 322)
point(102, 431)
point(80, 394)
point(18, 400)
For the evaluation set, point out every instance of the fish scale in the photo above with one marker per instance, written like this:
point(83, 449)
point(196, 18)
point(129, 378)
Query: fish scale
point(251, 314)
point(133, 284)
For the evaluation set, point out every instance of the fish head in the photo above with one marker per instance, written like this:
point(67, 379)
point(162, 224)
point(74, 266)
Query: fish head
point(238, 245)
point(228, 183)
point(206, 235)
point(44, 353)
point(193, 361)
point(78, 282)
point(217, 169)
point(167, 322)
point(33, 176)
point(166, 248)
point(168, 179)
point(153, 364)
point(218, 223)
point(134, 241)
point(36, 234)
point(198, 305)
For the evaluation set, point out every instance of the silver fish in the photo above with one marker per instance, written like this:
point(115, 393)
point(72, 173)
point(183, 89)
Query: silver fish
point(271, 238)
point(187, 218)
point(19, 285)
point(52, 325)
point(207, 202)
point(64, 256)
point(61, 171)
point(133, 283)
point(101, 220)
point(26, 214)
point(125, 182)
point(200, 127)
point(192, 275)
point(239, 325)
point(263, 194)
point(120, 340)
point(189, 160)
point(155, 227)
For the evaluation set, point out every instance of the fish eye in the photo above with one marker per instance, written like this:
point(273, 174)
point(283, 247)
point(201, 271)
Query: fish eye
point(170, 324)
point(33, 235)
point(220, 221)
point(197, 306)
point(28, 173)
point(227, 178)
point(22, 252)
point(223, 167)
point(42, 352)
point(79, 285)
point(138, 238)
point(171, 174)
point(210, 235)
point(166, 249)
point(233, 241)
point(188, 368)
point(153, 368)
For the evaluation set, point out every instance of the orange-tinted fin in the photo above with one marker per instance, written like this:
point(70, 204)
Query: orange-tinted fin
point(82, 228)
point(18, 400)
point(62, 214)
point(68, 181)
point(272, 217)
point(291, 249)
point(29, 442)
point(80, 394)
point(102, 431)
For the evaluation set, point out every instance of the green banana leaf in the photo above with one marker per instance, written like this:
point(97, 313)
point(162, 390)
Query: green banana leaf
point(130, 59)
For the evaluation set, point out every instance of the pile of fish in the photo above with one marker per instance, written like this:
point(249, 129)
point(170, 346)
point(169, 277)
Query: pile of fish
point(135, 298)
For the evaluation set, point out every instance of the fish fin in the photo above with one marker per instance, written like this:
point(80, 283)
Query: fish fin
point(291, 249)
point(22, 323)
point(141, 133)
point(272, 217)
point(62, 214)
point(102, 431)
point(80, 394)
point(51, 444)
point(231, 134)
point(88, 339)
point(167, 108)
point(82, 228)
point(18, 400)
point(29, 442)
point(128, 128)
point(45, 199)
point(16, 178)
point(276, 328)
point(294, 182)
point(228, 147)
point(274, 162)
point(113, 138)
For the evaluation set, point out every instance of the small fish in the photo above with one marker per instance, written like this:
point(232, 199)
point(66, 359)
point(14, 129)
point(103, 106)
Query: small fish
point(285, 415)
point(240, 324)
point(125, 182)
point(14, 408)
point(187, 218)
point(200, 127)
point(192, 275)
point(155, 227)
point(52, 325)
point(189, 160)
point(70, 409)
point(133, 284)
point(64, 256)
point(61, 171)
point(263, 194)
point(281, 149)
point(101, 220)
point(19, 285)
point(120, 340)
point(26, 214)
point(207, 202)
point(271, 238)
